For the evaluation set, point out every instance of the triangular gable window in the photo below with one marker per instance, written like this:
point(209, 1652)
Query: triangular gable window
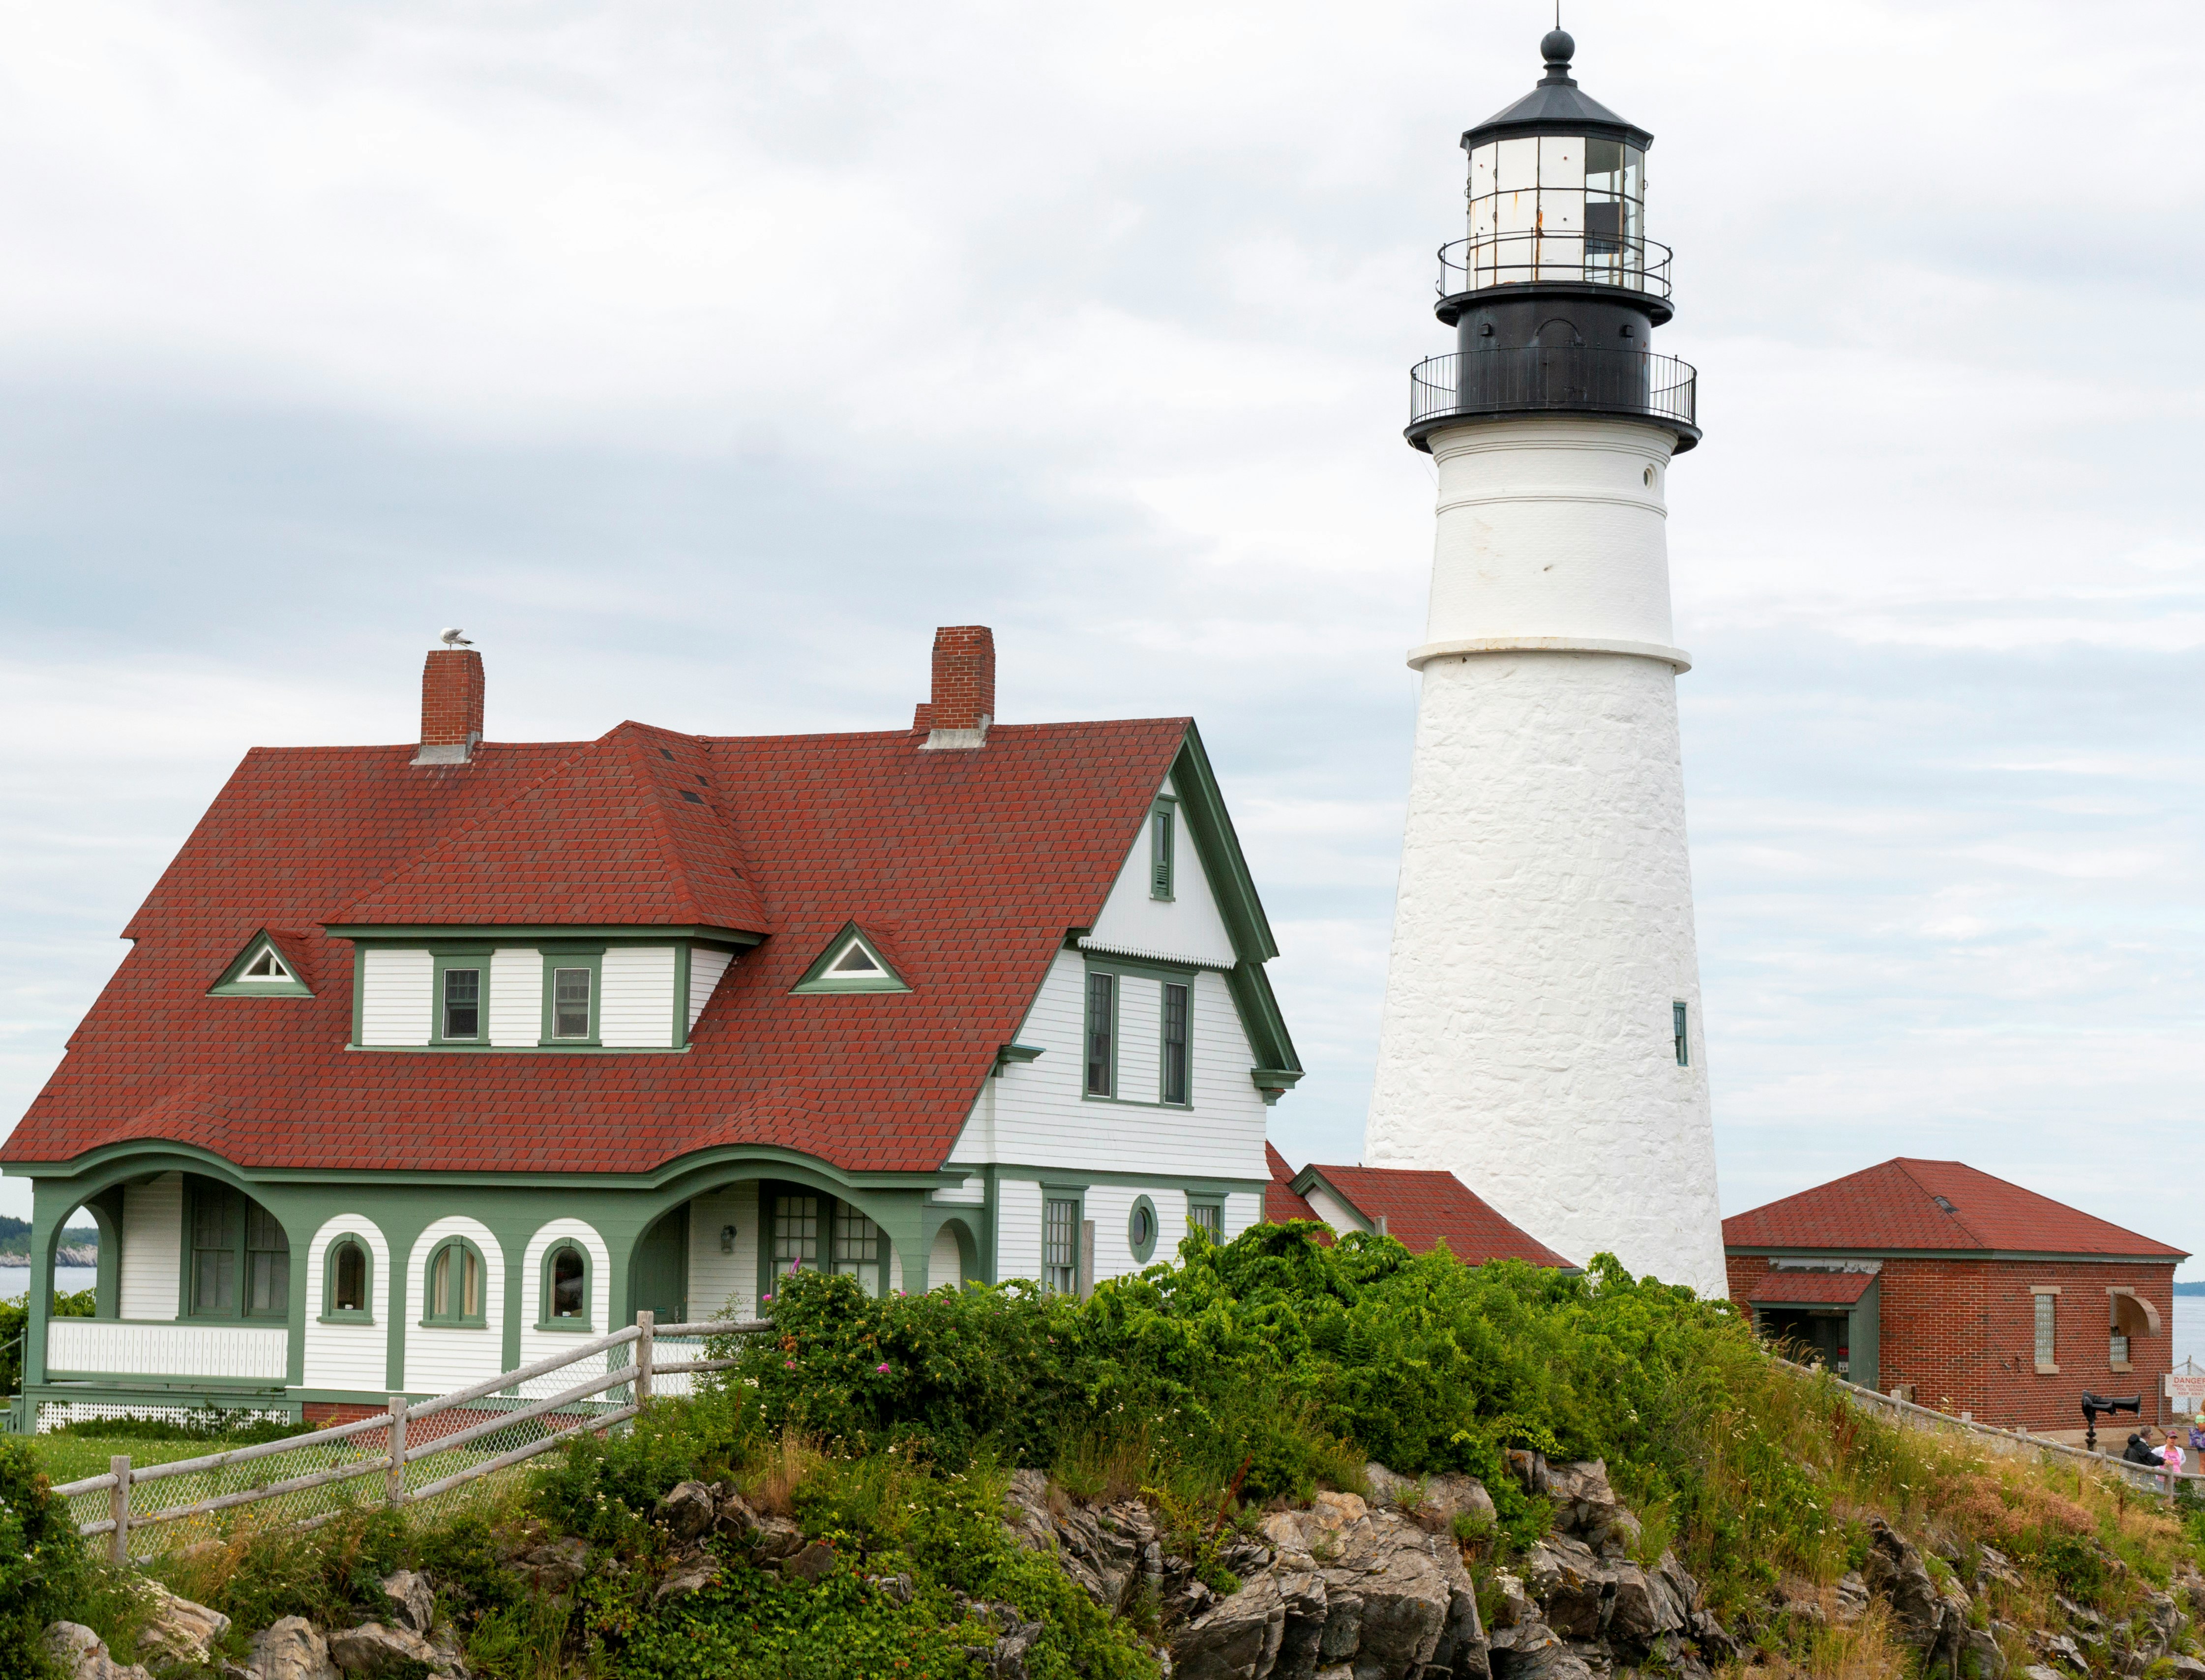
point(260, 970)
point(851, 962)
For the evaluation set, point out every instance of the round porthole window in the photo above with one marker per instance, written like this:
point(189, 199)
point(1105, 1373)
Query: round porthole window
point(1650, 478)
point(1141, 1229)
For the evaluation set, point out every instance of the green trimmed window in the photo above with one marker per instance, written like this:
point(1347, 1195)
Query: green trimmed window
point(1163, 820)
point(566, 1301)
point(1060, 1245)
point(239, 1256)
point(260, 970)
point(1680, 1023)
point(859, 1252)
point(347, 1278)
point(795, 1234)
point(1141, 1229)
point(456, 1284)
point(851, 962)
point(1206, 1213)
point(573, 982)
point(1102, 1035)
point(461, 1000)
point(1175, 1069)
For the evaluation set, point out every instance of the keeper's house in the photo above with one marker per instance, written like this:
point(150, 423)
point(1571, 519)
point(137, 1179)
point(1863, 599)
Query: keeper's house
point(1961, 1291)
point(428, 1059)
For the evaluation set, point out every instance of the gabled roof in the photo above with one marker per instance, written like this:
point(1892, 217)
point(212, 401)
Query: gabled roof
point(1282, 1203)
point(966, 867)
point(633, 830)
point(1907, 1204)
point(1786, 1286)
point(1420, 1208)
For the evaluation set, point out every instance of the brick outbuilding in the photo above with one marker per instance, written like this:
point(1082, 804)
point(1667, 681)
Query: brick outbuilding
point(1974, 1294)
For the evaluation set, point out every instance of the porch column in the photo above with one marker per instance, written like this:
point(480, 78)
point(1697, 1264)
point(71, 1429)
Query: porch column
point(50, 1205)
point(901, 1216)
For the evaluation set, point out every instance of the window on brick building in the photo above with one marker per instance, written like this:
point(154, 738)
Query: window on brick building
point(2046, 1342)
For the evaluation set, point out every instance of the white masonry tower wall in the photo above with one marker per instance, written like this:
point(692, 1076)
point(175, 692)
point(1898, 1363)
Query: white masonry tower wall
point(1543, 935)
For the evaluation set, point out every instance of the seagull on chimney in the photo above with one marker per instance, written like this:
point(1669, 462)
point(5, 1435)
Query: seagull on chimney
point(452, 639)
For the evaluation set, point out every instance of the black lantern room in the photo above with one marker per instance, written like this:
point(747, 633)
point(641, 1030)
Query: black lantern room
point(1556, 292)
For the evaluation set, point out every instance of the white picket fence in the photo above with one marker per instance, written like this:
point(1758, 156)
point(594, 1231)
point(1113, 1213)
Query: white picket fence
point(475, 1432)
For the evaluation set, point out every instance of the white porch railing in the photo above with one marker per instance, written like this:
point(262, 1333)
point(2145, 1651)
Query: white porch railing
point(417, 1449)
point(222, 1352)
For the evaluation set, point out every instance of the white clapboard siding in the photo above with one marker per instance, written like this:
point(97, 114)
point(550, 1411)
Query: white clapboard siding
point(1018, 1229)
point(945, 1262)
point(1242, 1209)
point(151, 1283)
point(972, 1193)
point(438, 1359)
point(1034, 1114)
point(393, 996)
point(516, 997)
point(724, 1286)
point(348, 1356)
point(637, 1010)
point(1140, 1038)
point(237, 1352)
point(536, 1344)
point(1186, 925)
point(1111, 1207)
point(706, 966)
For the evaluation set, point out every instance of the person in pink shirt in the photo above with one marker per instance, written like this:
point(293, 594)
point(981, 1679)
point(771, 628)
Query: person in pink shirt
point(2171, 1454)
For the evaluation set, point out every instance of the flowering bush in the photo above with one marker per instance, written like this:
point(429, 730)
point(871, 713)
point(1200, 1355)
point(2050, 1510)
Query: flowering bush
point(44, 1570)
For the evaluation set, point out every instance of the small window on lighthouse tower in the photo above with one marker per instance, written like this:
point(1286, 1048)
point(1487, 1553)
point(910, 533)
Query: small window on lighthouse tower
point(1680, 1021)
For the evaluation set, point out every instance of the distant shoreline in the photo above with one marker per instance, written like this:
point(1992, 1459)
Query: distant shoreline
point(62, 1257)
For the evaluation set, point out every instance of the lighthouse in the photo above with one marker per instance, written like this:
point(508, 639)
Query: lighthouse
point(1541, 1035)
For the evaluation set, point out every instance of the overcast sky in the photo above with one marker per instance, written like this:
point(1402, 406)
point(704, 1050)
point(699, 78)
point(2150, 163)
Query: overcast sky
point(699, 360)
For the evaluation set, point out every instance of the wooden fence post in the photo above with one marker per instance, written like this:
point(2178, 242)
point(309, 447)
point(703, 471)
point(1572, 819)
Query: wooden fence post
point(118, 1543)
point(645, 1323)
point(394, 1488)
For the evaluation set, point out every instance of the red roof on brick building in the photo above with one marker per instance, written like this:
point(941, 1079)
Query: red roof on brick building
point(1908, 1204)
point(1420, 1209)
point(972, 865)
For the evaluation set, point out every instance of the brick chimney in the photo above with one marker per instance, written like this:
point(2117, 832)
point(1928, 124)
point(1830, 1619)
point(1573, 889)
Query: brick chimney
point(964, 702)
point(451, 706)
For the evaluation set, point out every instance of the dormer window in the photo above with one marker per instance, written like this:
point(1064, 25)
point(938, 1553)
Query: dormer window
point(266, 967)
point(259, 970)
point(851, 962)
point(462, 1003)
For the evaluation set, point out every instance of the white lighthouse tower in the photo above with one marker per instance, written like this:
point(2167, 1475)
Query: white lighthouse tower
point(1542, 1030)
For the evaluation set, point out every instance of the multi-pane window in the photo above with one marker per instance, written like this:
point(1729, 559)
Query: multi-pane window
point(1208, 1218)
point(570, 1003)
point(1059, 1246)
point(2046, 1342)
point(857, 1247)
point(568, 1285)
point(267, 1264)
point(348, 1277)
point(1679, 1026)
point(2119, 1350)
point(795, 1233)
point(1161, 825)
point(1176, 1081)
point(462, 1003)
point(456, 1283)
point(214, 1252)
point(241, 1263)
point(1102, 1035)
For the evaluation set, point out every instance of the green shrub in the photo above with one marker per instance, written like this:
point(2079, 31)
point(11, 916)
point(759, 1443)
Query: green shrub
point(45, 1572)
point(14, 1316)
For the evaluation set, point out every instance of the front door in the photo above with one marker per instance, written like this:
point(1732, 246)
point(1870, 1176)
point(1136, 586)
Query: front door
point(661, 1280)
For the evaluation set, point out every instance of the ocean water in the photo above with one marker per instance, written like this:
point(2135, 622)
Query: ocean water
point(16, 1280)
point(2189, 1328)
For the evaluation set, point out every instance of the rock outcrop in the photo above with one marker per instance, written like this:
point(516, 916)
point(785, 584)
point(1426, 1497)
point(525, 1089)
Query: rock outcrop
point(83, 1654)
point(292, 1649)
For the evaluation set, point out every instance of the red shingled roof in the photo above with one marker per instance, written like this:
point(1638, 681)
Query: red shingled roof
point(1895, 1206)
point(970, 865)
point(1809, 1288)
point(1420, 1208)
point(1281, 1202)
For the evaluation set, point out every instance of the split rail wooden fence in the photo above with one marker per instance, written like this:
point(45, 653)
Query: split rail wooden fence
point(423, 1449)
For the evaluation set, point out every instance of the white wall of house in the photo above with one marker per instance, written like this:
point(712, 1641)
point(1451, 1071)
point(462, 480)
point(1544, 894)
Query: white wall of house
point(537, 1344)
point(516, 997)
point(395, 987)
point(1242, 1209)
point(439, 1359)
point(724, 1283)
point(149, 1286)
point(347, 1356)
point(1018, 1229)
point(706, 967)
point(1332, 1211)
point(1186, 925)
point(637, 1010)
point(944, 1262)
point(1035, 1115)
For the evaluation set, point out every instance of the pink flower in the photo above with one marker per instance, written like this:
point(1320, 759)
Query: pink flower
point(790, 1363)
point(883, 1370)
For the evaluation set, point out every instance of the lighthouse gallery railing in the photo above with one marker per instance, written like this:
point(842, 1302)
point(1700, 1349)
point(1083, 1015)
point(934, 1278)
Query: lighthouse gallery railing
point(1573, 378)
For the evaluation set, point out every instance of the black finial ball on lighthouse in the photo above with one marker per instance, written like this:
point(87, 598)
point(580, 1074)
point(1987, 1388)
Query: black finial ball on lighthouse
point(1556, 47)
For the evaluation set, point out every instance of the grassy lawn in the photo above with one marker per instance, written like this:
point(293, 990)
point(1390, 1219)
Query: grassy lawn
point(74, 1457)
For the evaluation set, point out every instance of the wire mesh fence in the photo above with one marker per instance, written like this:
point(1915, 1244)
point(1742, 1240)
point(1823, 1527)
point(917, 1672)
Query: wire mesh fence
point(443, 1449)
